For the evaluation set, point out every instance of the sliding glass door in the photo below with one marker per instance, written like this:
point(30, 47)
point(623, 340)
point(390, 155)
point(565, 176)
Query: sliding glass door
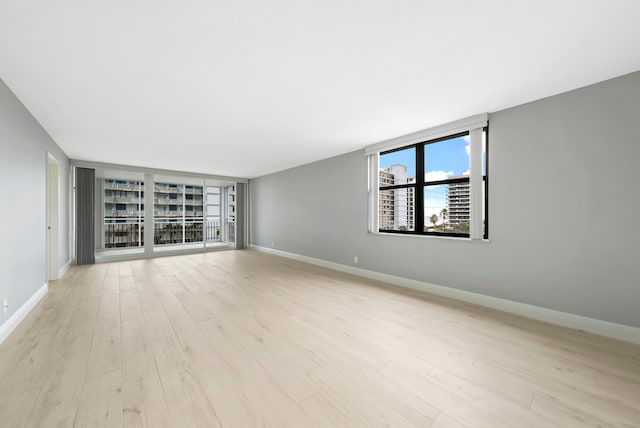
point(143, 213)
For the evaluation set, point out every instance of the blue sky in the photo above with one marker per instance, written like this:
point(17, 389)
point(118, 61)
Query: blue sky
point(450, 156)
point(444, 159)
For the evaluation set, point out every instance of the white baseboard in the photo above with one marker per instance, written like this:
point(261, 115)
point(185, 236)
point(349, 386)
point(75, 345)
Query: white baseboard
point(592, 325)
point(20, 314)
point(64, 269)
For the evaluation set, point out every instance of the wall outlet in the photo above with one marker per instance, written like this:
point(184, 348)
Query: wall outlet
point(355, 259)
point(5, 306)
point(271, 244)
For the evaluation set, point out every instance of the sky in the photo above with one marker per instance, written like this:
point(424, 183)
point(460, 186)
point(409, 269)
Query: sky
point(444, 159)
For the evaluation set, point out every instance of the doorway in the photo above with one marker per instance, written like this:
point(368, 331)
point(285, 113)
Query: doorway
point(52, 218)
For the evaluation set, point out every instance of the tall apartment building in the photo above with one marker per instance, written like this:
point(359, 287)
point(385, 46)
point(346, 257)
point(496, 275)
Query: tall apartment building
point(458, 201)
point(172, 201)
point(396, 206)
point(123, 213)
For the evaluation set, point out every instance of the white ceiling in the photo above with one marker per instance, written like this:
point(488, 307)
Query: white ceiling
point(244, 88)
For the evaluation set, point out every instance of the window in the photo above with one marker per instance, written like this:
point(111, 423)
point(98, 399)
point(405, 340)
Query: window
point(178, 214)
point(182, 212)
point(123, 214)
point(398, 190)
point(436, 183)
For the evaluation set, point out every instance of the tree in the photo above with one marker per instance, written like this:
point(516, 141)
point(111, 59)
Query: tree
point(463, 226)
point(434, 220)
point(444, 213)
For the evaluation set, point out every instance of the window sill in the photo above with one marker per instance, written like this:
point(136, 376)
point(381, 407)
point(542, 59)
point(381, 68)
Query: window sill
point(448, 238)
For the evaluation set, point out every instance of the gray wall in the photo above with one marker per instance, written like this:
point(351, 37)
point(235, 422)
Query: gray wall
point(564, 205)
point(23, 171)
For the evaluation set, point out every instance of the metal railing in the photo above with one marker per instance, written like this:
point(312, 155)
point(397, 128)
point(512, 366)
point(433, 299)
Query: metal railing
point(123, 235)
point(214, 234)
point(119, 235)
point(178, 233)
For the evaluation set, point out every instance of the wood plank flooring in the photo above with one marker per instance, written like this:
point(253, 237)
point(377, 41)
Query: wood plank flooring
point(247, 339)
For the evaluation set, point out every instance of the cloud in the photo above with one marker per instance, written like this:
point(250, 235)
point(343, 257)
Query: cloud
point(437, 175)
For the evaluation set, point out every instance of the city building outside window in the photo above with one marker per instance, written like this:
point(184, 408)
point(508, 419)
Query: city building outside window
point(123, 219)
point(427, 187)
point(178, 219)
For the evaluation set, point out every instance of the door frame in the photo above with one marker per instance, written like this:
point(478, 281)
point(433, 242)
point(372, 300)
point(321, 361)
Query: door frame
point(52, 226)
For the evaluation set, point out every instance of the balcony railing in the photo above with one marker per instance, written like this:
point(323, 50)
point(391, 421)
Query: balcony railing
point(177, 213)
point(158, 213)
point(167, 189)
point(122, 200)
point(168, 201)
point(124, 213)
point(128, 187)
point(172, 233)
point(213, 232)
point(118, 235)
point(127, 235)
point(196, 191)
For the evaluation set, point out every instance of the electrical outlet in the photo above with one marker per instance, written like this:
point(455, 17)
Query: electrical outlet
point(271, 244)
point(5, 306)
point(355, 259)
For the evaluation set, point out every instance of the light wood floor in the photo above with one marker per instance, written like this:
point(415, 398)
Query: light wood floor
point(246, 339)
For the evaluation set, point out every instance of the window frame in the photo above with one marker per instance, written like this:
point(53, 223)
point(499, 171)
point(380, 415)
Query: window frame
point(420, 183)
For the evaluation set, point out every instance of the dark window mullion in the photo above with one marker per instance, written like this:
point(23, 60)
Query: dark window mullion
point(419, 192)
point(397, 186)
point(486, 184)
point(447, 181)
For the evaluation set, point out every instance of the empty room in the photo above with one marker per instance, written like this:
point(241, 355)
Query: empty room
point(320, 214)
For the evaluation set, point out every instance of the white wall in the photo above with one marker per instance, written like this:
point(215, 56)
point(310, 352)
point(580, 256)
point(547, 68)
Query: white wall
point(23, 173)
point(564, 204)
